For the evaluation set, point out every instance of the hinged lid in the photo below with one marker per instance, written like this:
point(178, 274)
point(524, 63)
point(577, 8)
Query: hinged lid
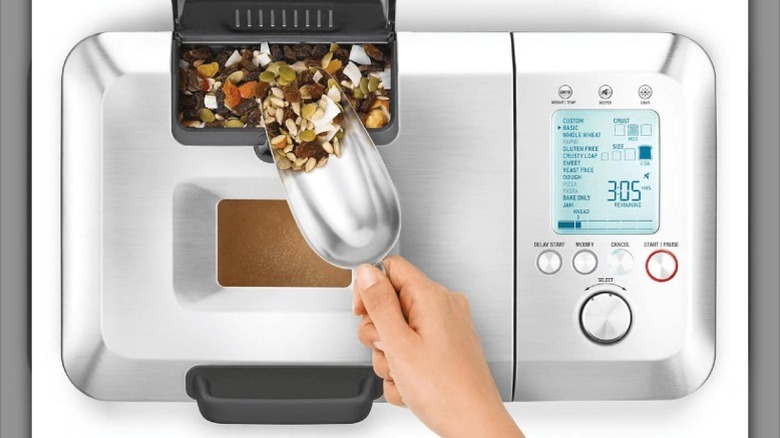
point(287, 21)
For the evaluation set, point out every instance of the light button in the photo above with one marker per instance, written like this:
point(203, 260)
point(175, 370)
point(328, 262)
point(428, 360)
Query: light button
point(585, 261)
point(621, 262)
point(549, 262)
point(605, 318)
point(661, 265)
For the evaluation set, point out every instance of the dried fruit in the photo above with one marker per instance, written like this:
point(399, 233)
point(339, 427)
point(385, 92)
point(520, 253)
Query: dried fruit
point(333, 67)
point(373, 52)
point(308, 135)
point(248, 90)
point(208, 70)
point(232, 95)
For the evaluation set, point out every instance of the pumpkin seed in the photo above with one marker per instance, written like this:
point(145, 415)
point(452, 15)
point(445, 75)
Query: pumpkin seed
point(326, 59)
point(286, 73)
point(373, 84)
point(334, 47)
point(236, 76)
point(267, 76)
point(364, 86)
point(234, 123)
point(358, 94)
point(206, 115)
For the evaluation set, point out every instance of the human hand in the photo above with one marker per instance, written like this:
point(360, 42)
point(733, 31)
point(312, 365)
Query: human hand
point(427, 351)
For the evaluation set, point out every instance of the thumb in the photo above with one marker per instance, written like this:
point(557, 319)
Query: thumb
point(382, 305)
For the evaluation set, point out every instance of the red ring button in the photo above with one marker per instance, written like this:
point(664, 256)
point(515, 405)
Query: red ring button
point(661, 265)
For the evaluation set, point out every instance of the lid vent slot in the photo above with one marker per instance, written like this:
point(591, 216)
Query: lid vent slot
point(295, 24)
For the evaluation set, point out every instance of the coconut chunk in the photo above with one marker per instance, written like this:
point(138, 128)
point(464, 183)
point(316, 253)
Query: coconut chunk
point(235, 57)
point(353, 73)
point(265, 48)
point(210, 101)
point(331, 111)
point(358, 55)
point(317, 76)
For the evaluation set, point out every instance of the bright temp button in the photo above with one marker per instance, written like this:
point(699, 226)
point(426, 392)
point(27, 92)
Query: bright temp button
point(661, 265)
point(549, 262)
point(585, 262)
point(621, 262)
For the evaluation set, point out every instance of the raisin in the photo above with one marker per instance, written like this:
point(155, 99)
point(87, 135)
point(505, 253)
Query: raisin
point(248, 65)
point(312, 62)
point(273, 129)
point(262, 89)
point(192, 101)
point(250, 75)
point(255, 117)
point(289, 54)
point(342, 55)
point(314, 90)
point(367, 103)
point(192, 114)
point(339, 118)
point(222, 56)
point(308, 149)
point(373, 52)
point(193, 80)
point(362, 116)
point(277, 54)
point(289, 114)
point(197, 53)
point(214, 124)
point(245, 106)
point(319, 50)
point(303, 51)
point(306, 77)
point(291, 94)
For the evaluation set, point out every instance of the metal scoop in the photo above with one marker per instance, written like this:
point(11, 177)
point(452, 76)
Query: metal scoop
point(348, 210)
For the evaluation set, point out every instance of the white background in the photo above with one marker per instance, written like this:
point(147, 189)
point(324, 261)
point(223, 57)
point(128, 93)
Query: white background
point(718, 409)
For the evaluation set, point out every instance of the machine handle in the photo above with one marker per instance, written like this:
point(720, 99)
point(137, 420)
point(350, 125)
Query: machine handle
point(283, 395)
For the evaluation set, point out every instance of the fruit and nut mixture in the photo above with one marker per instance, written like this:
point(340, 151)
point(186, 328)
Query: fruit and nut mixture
point(227, 87)
point(302, 112)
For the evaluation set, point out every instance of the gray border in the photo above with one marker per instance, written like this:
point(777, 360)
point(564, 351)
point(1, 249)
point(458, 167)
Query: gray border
point(764, 275)
point(15, 41)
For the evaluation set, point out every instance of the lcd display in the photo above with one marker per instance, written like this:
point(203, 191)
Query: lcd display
point(605, 171)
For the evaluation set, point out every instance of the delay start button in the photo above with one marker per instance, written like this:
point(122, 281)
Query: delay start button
point(661, 265)
point(549, 262)
point(605, 318)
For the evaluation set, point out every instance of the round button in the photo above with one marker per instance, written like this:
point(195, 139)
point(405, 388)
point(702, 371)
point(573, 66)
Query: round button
point(585, 261)
point(549, 262)
point(621, 262)
point(605, 318)
point(661, 265)
point(605, 91)
point(565, 91)
point(645, 92)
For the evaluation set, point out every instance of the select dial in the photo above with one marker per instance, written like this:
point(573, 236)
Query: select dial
point(605, 318)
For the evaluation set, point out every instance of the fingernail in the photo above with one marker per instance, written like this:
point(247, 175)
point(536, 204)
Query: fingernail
point(366, 276)
point(378, 345)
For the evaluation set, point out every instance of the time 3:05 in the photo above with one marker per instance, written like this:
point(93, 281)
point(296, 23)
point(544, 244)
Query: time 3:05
point(624, 190)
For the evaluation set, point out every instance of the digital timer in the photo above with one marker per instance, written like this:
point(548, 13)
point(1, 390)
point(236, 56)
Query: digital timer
point(605, 171)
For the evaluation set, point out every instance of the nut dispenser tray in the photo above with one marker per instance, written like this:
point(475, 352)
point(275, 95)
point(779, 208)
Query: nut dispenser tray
point(141, 301)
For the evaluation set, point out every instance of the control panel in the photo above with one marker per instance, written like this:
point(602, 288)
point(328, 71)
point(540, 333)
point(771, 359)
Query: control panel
point(615, 218)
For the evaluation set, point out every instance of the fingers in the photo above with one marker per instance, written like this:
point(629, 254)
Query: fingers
point(381, 367)
point(382, 306)
point(392, 395)
point(403, 274)
point(367, 332)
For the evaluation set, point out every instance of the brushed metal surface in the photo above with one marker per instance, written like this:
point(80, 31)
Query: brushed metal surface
point(670, 349)
point(141, 303)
